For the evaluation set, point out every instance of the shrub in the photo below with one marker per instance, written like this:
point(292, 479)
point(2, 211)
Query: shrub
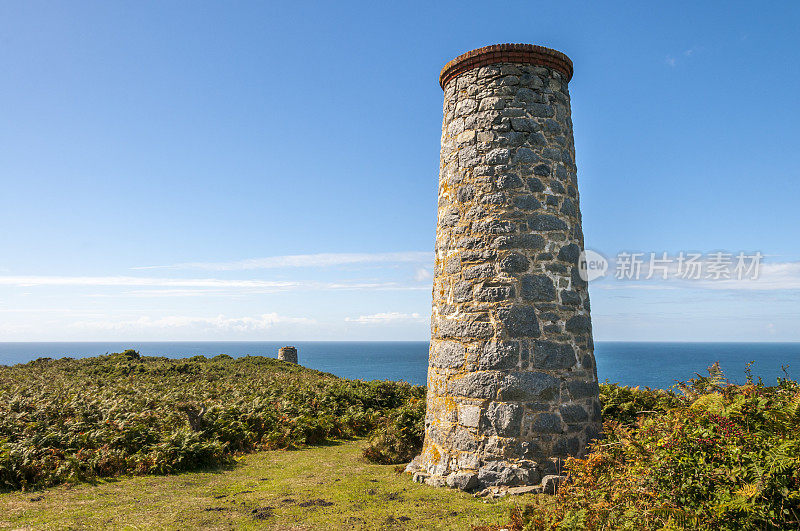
point(625, 404)
point(399, 436)
point(717, 456)
point(75, 420)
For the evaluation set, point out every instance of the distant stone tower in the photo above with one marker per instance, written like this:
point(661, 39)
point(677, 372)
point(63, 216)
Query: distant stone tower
point(512, 383)
point(288, 354)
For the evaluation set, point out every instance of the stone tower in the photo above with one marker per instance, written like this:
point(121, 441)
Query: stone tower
point(512, 383)
point(288, 354)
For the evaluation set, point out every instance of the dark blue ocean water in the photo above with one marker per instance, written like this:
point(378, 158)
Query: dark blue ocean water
point(644, 364)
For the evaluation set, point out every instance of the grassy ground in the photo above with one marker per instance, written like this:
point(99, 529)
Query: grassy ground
point(329, 487)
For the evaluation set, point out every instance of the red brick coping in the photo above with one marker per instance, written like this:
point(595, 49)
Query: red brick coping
point(506, 53)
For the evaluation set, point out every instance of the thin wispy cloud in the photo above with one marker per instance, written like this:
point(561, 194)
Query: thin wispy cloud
point(422, 274)
point(68, 311)
point(170, 293)
point(45, 280)
point(385, 318)
point(672, 60)
point(776, 276)
point(182, 286)
point(303, 260)
point(771, 277)
point(218, 323)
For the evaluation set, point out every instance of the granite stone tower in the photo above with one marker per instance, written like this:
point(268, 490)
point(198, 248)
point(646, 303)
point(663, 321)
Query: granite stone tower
point(512, 383)
point(288, 354)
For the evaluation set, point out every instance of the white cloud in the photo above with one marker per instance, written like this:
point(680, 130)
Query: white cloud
point(771, 276)
point(70, 311)
point(389, 286)
point(183, 286)
point(775, 276)
point(219, 323)
point(620, 285)
point(303, 260)
point(167, 292)
point(672, 61)
point(422, 274)
point(384, 318)
point(142, 282)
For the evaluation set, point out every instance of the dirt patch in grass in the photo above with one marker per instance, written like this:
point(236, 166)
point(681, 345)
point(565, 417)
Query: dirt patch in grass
point(263, 513)
point(315, 503)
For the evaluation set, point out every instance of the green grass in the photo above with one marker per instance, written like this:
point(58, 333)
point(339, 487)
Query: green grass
point(327, 487)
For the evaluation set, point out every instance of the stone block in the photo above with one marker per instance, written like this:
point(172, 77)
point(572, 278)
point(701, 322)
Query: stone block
point(503, 419)
point(504, 474)
point(497, 156)
point(550, 483)
point(464, 441)
point(469, 415)
point(479, 271)
point(539, 110)
point(525, 386)
point(462, 480)
point(579, 323)
point(547, 423)
point(525, 155)
point(447, 354)
point(468, 326)
point(546, 222)
point(518, 321)
point(552, 355)
point(570, 298)
point(519, 241)
point(499, 355)
point(583, 389)
point(494, 293)
point(535, 185)
point(527, 202)
point(435, 481)
point(468, 461)
point(474, 385)
point(573, 413)
point(537, 288)
point(514, 263)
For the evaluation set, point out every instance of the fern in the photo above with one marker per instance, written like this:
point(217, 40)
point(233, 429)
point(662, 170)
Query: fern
point(748, 491)
point(793, 408)
point(673, 515)
point(782, 458)
point(755, 471)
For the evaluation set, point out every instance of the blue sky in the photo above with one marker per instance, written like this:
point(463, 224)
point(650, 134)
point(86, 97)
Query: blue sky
point(253, 170)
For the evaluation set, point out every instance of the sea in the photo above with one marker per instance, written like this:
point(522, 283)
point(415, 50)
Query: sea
point(646, 364)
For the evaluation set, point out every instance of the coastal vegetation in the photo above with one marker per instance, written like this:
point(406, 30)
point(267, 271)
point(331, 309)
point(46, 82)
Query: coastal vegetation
point(73, 420)
point(706, 454)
